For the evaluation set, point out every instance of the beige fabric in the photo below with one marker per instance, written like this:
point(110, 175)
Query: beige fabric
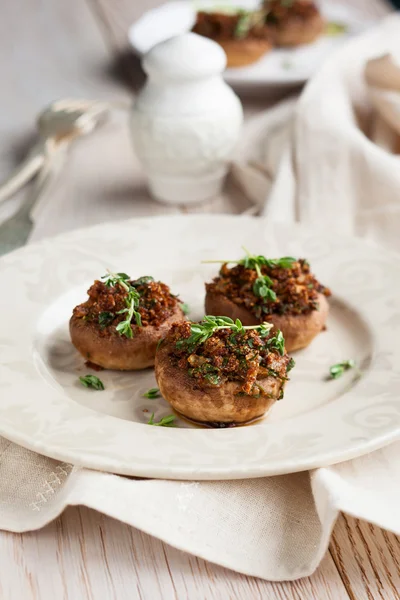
point(326, 172)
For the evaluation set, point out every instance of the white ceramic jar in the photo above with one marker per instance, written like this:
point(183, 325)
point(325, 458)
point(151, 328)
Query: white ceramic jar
point(186, 120)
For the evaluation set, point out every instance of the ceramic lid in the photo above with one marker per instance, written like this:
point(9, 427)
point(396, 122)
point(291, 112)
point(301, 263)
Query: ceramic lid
point(186, 56)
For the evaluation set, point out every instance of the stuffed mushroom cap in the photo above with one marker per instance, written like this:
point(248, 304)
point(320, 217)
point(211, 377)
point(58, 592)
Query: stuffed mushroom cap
point(123, 320)
point(225, 375)
point(293, 23)
point(243, 35)
point(283, 292)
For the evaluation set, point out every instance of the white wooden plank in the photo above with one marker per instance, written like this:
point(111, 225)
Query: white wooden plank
point(368, 559)
point(88, 556)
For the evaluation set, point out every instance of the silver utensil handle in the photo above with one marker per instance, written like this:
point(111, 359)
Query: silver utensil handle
point(15, 231)
point(23, 173)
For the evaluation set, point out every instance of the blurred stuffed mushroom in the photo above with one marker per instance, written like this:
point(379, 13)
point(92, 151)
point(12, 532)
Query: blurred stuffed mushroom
point(293, 22)
point(244, 35)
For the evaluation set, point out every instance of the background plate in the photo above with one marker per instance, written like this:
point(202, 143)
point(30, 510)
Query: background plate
point(280, 66)
point(319, 422)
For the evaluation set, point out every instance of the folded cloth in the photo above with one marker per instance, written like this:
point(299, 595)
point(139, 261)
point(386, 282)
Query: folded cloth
point(337, 163)
point(327, 172)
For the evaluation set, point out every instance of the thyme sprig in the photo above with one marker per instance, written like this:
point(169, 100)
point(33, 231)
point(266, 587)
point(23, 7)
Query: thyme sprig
point(152, 393)
point(262, 286)
point(334, 28)
point(243, 24)
point(247, 19)
point(201, 332)
point(185, 308)
point(278, 342)
point(337, 370)
point(131, 301)
point(91, 381)
point(167, 421)
point(251, 260)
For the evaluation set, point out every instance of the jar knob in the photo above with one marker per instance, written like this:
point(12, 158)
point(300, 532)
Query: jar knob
point(185, 57)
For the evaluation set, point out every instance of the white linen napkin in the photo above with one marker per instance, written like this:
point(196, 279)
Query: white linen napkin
point(277, 528)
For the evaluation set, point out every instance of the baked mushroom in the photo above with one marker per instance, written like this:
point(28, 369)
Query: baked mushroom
point(242, 34)
point(282, 291)
point(220, 373)
point(121, 323)
point(293, 22)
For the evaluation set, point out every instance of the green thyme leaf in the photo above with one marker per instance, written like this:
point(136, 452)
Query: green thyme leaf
point(212, 378)
point(263, 285)
point(152, 393)
point(91, 381)
point(185, 308)
point(243, 24)
point(337, 370)
point(247, 20)
point(105, 318)
point(262, 290)
point(264, 329)
point(143, 280)
point(111, 279)
point(164, 422)
point(125, 328)
point(160, 341)
point(290, 365)
point(286, 262)
point(333, 28)
point(278, 343)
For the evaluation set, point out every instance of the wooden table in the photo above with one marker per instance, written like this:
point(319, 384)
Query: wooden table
point(51, 49)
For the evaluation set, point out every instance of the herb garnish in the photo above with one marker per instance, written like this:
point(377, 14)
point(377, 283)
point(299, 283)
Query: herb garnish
point(131, 301)
point(91, 381)
point(278, 342)
point(337, 370)
point(212, 378)
point(201, 332)
point(290, 365)
point(262, 286)
point(247, 19)
point(185, 308)
point(164, 422)
point(333, 28)
point(152, 393)
point(143, 280)
point(105, 318)
point(243, 24)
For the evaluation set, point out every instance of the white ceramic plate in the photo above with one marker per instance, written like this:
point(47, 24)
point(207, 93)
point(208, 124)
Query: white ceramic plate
point(43, 407)
point(280, 66)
